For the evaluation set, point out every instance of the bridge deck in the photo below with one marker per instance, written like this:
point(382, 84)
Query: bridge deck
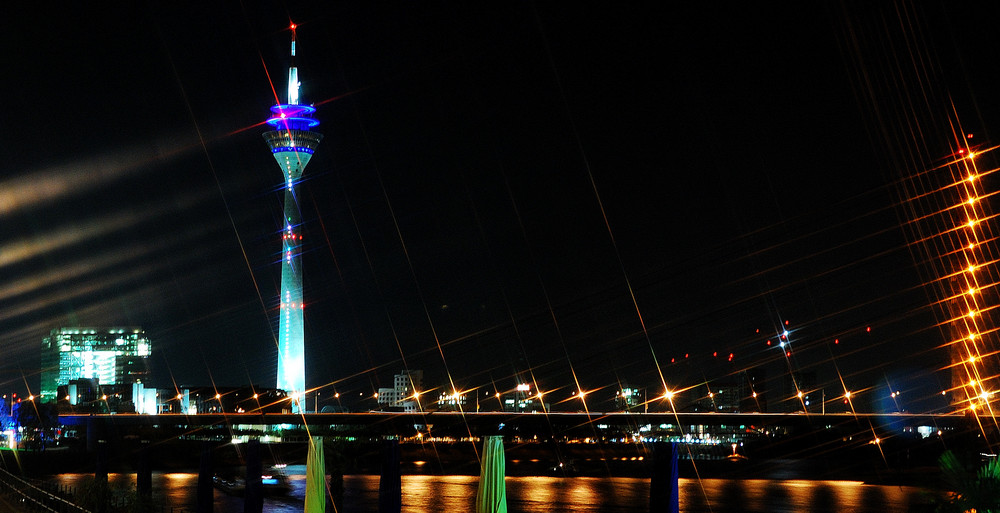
point(482, 422)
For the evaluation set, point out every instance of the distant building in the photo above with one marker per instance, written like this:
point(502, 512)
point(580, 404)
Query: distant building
point(801, 393)
point(522, 400)
point(404, 393)
point(238, 400)
point(753, 395)
point(89, 395)
point(742, 392)
point(111, 356)
point(723, 395)
point(631, 399)
point(452, 402)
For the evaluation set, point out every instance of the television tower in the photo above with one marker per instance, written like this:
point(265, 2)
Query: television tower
point(292, 143)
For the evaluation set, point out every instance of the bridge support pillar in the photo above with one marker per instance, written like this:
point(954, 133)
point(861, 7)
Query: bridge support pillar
point(663, 495)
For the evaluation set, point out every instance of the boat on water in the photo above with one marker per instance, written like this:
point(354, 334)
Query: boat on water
point(274, 482)
point(735, 456)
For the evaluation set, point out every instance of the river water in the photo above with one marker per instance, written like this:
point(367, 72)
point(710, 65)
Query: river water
point(452, 494)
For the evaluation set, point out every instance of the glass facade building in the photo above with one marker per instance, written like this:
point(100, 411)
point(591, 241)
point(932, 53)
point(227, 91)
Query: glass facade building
point(112, 356)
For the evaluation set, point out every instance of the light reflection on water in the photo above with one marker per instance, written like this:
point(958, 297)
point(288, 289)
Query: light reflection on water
point(451, 494)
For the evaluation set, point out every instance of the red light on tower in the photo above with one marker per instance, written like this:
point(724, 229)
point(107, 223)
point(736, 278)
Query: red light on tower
point(293, 26)
point(868, 329)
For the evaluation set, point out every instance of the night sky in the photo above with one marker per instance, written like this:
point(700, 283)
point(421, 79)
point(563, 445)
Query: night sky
point(495, 185)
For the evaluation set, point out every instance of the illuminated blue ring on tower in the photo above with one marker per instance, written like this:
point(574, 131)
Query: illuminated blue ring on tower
point(300, 149)
point(295, 123)
point(294, 117)
point(293, 110)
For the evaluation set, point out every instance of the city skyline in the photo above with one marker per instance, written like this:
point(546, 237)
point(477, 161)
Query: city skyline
point(587, 198)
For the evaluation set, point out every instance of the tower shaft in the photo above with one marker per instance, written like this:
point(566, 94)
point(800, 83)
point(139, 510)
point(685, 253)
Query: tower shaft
point(291, 334)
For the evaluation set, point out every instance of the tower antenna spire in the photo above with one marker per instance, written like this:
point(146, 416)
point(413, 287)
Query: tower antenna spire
point(293, 74)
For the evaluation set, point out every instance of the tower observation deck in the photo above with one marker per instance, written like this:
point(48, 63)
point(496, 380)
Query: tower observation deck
point(292, 142)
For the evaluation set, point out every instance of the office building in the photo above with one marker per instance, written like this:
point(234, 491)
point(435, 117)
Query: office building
point(111, 356)
point(405, 392)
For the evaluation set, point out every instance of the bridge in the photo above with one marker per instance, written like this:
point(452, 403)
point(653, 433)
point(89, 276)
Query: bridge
point(551, 424)
point(601, 443)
